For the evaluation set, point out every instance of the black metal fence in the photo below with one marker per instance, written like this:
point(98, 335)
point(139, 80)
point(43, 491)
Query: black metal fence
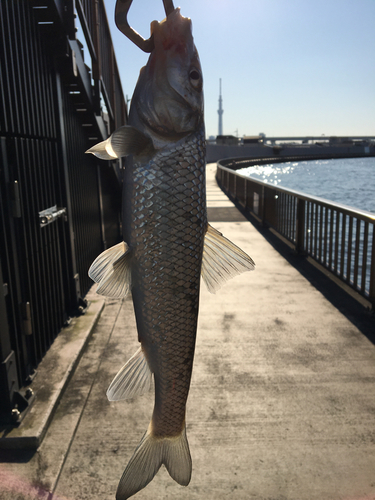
point(338, 237)
point(59, 208)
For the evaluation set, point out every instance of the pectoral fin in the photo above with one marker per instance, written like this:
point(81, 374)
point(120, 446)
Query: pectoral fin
point(111, 270)
point(222, 260)
point(103, 150)
point(124, 141)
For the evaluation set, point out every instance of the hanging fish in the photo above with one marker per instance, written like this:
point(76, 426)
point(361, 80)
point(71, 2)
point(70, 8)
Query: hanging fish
point(168, 243)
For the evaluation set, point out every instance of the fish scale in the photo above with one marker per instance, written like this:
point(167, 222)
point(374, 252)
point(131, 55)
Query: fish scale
point(166, 296)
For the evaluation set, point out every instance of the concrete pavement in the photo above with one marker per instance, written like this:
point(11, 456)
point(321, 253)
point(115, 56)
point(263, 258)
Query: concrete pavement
point(281, 406)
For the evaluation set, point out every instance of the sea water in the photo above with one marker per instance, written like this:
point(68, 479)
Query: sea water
point(350, 181)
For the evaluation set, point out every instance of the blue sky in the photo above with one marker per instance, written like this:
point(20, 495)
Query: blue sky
point(288, 67)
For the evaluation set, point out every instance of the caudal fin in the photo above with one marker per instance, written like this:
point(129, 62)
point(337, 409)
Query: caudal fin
point(147, 459)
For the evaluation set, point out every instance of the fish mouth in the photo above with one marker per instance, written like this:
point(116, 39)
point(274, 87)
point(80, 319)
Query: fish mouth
point(168, 101)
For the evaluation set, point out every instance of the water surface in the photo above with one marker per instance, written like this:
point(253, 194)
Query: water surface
point(350, 180)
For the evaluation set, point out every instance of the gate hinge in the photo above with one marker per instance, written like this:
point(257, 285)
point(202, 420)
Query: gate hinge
point(50, 215)
point(15, 401)
point(26, 319)
point(16, 200)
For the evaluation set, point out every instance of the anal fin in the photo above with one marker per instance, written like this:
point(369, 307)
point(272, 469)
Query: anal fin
point(134, 379)
point(222, 260)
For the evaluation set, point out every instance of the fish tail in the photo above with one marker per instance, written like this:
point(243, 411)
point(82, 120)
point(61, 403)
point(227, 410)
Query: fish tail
point(147, 459)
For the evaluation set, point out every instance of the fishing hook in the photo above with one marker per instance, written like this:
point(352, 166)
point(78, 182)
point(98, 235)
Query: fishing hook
point(121, 20)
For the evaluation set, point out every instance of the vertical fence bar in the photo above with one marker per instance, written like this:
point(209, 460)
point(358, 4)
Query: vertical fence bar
point(349, 255)
point(308, 231)
point(316, 230)
point(331, 247)
point(343, 246)
point(337, 236)
point(263, 205)
point(280, 213)
point(295, 218)
point(372, 270)
point(286, 215)
point(325, 260)
point(312, 227)
point(300, 226)
point(364, 257)
point(356, 253)
point(320, 233)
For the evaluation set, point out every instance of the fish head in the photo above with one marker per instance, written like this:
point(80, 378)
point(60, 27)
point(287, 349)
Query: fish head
point(168, 100)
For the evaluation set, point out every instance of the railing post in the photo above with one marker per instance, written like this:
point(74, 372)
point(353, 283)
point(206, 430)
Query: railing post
point(72, 270)
point(372, 271)
point(300, 226)
point(262, 206)
point(96, 64)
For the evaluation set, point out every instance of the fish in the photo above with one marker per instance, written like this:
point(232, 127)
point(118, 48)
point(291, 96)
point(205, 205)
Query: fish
point(167, 246)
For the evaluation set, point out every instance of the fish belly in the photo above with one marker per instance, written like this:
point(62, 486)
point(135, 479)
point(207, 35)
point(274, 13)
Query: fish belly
point(165, 224)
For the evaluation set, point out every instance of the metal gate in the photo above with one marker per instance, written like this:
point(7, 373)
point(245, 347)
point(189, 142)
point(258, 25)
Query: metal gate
point(58, 207)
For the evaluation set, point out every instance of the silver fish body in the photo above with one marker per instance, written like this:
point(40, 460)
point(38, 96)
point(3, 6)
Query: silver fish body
point(168, 245)
point(165, 224)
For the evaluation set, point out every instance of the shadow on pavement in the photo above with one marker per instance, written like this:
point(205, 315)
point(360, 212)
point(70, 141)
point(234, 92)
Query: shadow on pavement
point(351, 308)
point(360, 316)
point(16, 456)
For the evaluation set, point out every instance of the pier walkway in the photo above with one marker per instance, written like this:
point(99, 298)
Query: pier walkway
point(282, 400)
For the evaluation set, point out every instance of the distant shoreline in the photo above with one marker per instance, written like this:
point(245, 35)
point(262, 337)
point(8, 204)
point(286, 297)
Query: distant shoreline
point(327, 148)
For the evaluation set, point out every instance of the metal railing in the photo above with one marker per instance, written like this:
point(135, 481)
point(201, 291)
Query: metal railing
point(59, 208)
point(338, 237)
point(94, 22)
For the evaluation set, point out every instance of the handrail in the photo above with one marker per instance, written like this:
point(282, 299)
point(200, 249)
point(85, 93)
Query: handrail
point(94, 22)
point(338, 237)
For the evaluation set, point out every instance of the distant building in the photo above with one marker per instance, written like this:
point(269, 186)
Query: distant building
point(228, 140)
point(220, 112)
point(253, 139)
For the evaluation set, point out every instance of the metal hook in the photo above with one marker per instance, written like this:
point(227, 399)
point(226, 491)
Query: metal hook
point(121, 20)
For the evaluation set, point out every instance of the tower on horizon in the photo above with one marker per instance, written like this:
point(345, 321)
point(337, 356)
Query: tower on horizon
point(220, 112)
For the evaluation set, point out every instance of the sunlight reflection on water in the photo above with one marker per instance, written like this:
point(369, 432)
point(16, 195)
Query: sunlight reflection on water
point(350, 180)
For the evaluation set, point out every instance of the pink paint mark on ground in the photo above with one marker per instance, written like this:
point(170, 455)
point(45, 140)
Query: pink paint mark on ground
point(371, 497)
point(11, 483)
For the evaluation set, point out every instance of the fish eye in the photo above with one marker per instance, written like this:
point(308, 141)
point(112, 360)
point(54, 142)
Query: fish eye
point(195, 78)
